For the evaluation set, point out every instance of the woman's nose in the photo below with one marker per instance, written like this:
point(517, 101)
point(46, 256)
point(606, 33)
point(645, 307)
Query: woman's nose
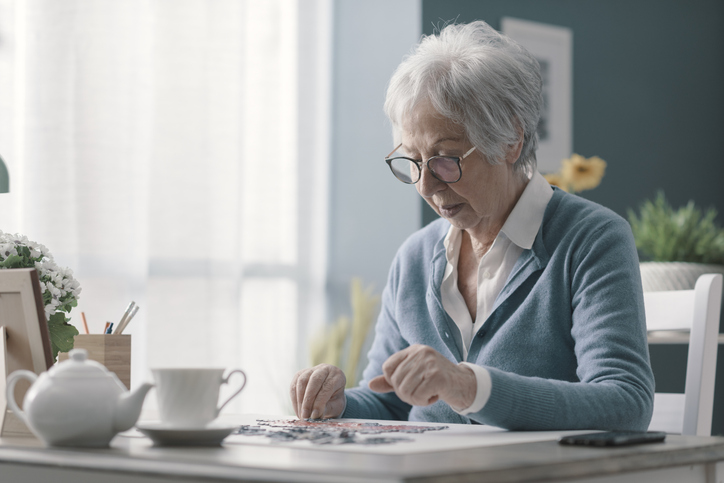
point(428, 185)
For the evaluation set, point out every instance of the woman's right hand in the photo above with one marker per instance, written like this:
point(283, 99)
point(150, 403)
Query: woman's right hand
point(318, 392)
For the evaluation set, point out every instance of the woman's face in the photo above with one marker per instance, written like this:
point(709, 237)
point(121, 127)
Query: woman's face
point(485, 195)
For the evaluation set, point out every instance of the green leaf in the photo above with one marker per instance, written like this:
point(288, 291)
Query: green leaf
point(61, 334)
point(663, 234)
point(24, 251)
point(13, 261)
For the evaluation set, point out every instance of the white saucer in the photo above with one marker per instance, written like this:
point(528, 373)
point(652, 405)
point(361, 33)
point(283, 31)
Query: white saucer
point(165, 435)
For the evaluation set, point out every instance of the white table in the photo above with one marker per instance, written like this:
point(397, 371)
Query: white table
point(131, 459)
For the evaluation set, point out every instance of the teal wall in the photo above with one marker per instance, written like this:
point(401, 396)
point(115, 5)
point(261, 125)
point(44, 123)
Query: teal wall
point(648, 97)
point(648, 90)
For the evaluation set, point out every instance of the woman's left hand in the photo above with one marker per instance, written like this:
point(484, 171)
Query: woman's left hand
point(420, 376)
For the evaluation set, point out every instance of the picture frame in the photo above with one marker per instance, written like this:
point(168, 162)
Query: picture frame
point(24, 338)
point(552, 46)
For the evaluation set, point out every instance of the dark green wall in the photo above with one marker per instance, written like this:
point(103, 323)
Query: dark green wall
point(648, 90)
point(648, 97)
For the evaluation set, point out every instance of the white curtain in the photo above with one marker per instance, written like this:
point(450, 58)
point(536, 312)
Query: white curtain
point(175, 153)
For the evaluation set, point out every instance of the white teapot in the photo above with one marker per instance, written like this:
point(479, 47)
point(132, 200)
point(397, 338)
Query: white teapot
point(76, 403)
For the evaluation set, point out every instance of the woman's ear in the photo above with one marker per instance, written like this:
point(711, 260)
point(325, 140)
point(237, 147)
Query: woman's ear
point(513, 153)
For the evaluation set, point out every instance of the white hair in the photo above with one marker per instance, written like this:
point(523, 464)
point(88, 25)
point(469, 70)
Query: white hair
point(479, 79)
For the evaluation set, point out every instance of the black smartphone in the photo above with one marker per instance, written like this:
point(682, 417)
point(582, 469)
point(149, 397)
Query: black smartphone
point(613, 438)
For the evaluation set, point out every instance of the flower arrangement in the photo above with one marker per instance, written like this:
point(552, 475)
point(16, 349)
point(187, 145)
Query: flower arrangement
point(663, 234)
point(60, 290)
point(330, 345)
point(578, 173)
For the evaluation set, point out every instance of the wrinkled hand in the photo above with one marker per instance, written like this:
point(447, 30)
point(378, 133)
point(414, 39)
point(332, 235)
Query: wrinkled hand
point(318, 392)
point(420, 376)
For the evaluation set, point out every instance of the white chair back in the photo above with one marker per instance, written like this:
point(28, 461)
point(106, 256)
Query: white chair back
point(697, 312)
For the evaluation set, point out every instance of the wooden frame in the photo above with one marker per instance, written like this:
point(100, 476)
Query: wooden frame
point(24, 338)
point(553, 47)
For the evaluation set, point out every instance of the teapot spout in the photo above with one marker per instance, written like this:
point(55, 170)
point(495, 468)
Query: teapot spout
point(128, 407)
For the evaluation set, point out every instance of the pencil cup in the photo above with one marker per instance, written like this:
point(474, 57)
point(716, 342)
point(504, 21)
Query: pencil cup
point(113, 351)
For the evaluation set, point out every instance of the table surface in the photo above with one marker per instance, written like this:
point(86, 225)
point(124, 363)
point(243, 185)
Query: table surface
point(521, 462)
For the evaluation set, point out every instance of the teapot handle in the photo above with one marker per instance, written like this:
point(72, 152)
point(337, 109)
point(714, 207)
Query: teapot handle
point(10, 391)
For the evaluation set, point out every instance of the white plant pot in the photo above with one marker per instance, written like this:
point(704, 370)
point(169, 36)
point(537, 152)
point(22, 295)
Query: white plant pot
point(660, 276)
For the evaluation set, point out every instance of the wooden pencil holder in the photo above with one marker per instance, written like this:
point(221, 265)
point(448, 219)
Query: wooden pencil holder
point(113, 351)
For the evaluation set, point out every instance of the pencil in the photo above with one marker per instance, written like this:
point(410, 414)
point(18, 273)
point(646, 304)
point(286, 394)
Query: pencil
point(85, 323)
point(106, 327)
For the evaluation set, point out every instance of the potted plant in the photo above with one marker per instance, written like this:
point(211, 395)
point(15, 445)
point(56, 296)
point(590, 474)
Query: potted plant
point(60, 289)
point(677, 245)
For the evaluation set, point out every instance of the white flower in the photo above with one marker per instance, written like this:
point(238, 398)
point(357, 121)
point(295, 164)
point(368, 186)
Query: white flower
point(54, 291)
point(7, 249)
point(58, 282)
point(20, 240)
point(49, 266)
point(44, 251)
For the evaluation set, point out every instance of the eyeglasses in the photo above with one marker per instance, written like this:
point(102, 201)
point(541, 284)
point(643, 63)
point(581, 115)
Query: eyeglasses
point(445, 168)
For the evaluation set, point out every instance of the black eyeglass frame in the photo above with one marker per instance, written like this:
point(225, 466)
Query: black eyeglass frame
point(421, 164)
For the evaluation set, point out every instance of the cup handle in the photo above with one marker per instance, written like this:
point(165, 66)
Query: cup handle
point(226, 381)
point(10, 391)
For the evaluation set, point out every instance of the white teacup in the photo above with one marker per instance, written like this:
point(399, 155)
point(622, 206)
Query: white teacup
point(189, 398)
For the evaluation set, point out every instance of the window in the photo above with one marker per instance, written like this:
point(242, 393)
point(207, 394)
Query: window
point(175, 153)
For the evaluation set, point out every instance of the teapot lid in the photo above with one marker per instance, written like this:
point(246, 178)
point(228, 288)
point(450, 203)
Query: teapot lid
point(78, 365)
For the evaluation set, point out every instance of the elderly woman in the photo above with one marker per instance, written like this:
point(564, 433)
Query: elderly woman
point(522, 307)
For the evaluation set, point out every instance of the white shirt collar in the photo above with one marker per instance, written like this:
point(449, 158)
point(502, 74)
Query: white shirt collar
point(526, 218)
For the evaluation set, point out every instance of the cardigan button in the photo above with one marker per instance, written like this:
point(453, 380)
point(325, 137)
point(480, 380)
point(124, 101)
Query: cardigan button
point(481, 333)
point(447, 336)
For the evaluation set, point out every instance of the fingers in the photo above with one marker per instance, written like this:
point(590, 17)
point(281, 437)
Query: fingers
point(322, 384)
point(402, 365)
point(417, 374)
point(380, 384)
point(393, 362)
point(318, 392)
point(413, 381)
point(336, 404)
point(303, 392)
point(297, 389)
point(423, 390)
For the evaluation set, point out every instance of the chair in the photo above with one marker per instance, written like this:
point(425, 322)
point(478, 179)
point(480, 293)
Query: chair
point(696, 312)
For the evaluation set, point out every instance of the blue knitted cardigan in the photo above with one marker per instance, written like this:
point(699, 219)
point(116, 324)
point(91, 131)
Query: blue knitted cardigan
point(565, 343)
